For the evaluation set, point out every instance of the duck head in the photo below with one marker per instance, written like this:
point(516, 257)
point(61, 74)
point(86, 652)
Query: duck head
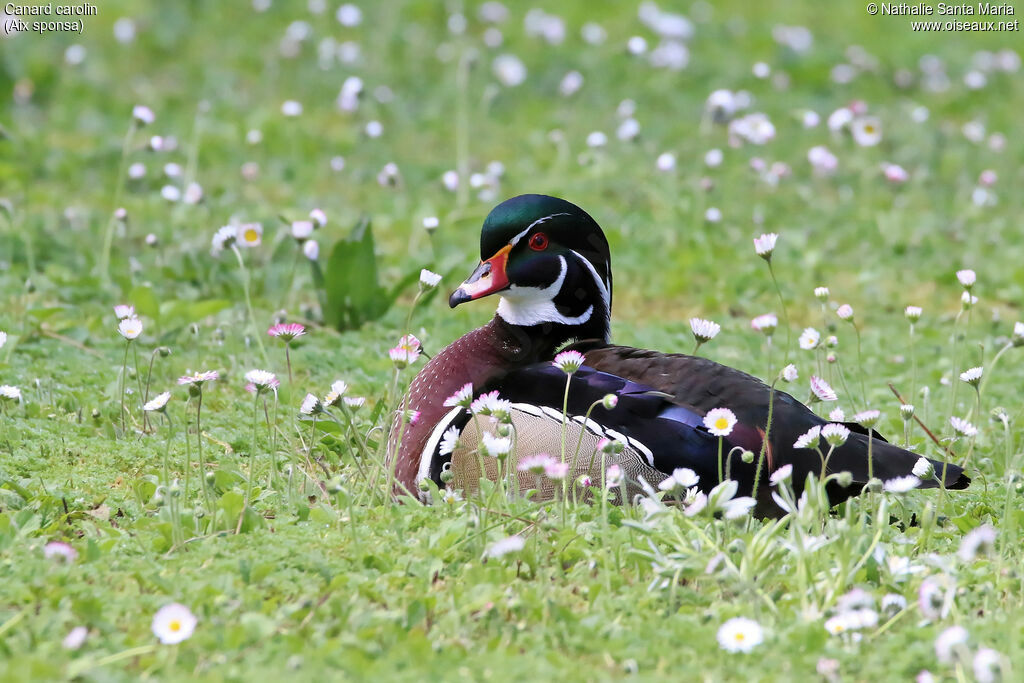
point(549, 262)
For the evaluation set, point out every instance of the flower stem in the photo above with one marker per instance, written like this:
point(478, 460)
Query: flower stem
point(108, 237)
point(785, 313)
point(124, 371)
point(248, 303)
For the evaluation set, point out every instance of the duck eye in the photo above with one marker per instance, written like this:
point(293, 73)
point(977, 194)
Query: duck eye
point(539, 242)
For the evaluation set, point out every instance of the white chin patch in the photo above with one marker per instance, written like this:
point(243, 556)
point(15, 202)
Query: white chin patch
point(527, 306)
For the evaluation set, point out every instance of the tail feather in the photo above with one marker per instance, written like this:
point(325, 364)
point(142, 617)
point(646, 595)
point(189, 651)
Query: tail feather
point(888, 462)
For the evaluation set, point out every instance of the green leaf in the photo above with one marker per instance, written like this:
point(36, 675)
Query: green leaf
point(353, 291)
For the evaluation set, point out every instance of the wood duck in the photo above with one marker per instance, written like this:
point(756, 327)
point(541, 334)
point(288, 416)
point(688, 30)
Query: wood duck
point(550, 263)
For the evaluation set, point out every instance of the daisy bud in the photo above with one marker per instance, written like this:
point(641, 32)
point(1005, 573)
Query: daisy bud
point(765, 245)
point(311, 250)
point(906, 411)
point(152, 240)
point(584, 481)
point(844, 479)
point(999, 414)
point(867, 418)
point(319, 217)
point(447, 476)
point(747, 457)
point(610, 401)
point(198, 512)
point(821, 293)
point(875, 485)
point(121, 214)
point(832, 341)
point(143, 115)
point(967, 278)
point(968, 300)
point(334, 485)
point(428, 279)
point(913, 313)
point(1018, 334)
point(845, 312)
point(302, 230)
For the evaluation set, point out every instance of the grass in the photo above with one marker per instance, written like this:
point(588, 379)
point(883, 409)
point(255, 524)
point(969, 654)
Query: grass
point(325, 578)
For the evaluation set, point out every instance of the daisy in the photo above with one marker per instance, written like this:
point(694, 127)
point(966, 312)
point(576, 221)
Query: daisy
point(665, 162)
point(262, 380)
point(780, 475)
point(311, 405)
point(302, 230)
point(291, 108)
point(765, 245)
point(845, 312)
point(429, 279)
point(10, 393)
point(489, 404)
point(695, 501)
point(609, 401)
point(568, 361)
point(198, 378)
point(972, 376)
point(449, 441)
point(923, 469)
point(978, 541)
point(821, 390)
point(556, 471)
point(250, 234)
point(840, 119)
point(902, 484)
point(822, 160)
point(512, 544)
point(319, 217)
point(906, 411)
point(224, 238)
point(987, 665)
point(740, 634)
point(949, 642)
point(765, 323)
point(821, 293)
point(122, 311)
point(411, 416)
point(967, 278)
point(614, 476)
point(963, 427)
point(130, 328)
point(835, 434)
point(430, 223)
point(738, 507)
point(158, 403)
point(1018, 334)
point(311, 250)
point(463, 397)
point(704, 330)
point(837, 415)
point(809, 439)
point(535, 464)
point(931, 599)
point(59, 550)
point(968, 300)
point(496, 446)
point(681, 478)
point(895, 173)
point(173, 623)
point(893, 603)
point(809, 339)
point(867, 418)
point(913, 313)
point(75, 638)
point(354, 402)
point(286, 332)
point(143, 115)
point(406, 353)
point(333, 397)
point(720, 421)
point(509, 70)
point(789, 373)
point(866, 131)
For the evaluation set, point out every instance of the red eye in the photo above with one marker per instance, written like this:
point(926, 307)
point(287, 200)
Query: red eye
point(539, 242)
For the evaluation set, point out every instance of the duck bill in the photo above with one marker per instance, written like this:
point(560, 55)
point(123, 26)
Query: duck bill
point(488, 278)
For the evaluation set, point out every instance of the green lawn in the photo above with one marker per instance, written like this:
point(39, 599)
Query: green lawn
point(326, 577)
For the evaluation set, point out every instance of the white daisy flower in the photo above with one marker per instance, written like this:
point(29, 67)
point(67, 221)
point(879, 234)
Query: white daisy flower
point(866, 131)
point(765, 245)
point(780, 475)
point(895, 173)
point(923, 469)
point(809, 439)
point(972, 376)
point(967, 278)
point(704, 330)
point(740, 634)
point(950, 642)
point(429, 279)
point(223, 239)
point(837, 415)
point(835, 434)
point(987, 665)
point(913, 313)
point(765, 323)
point(250, 234)
point(122, 311)
point(512, 544)
point(720, 421)
point(568, 361)
point(157, 403)
point(75, 638)
point(130, 328)
point(1018, 334)
point(311, 405)
point(262, 380)
point(291, 108)
point(170, 193)
point(839, 119)
point(967, 300)
point(821, 389)
point(311, 250)
point(496, 446)
point(845, 312)
point(902, 484)
point(463, 397)
point(143, 115)
point(893, 603)
point(354, 402)
point(963, 427)
point(535, 464)
point(978, 541)
point(597, 139)
point(319, 217)
point(302, 230)
point(666, 162)
point(822, 161)
point(174, 623)
point(681, 478)
point(509, 70)
point(809, 339)
point(867, 418)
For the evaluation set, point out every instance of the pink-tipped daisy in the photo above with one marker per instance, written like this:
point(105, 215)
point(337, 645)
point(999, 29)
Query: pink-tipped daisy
point(262, 380)
point(765, 245)
point(967, 278)
point(286, 332)
point(535, 464)
point(809, 439)
point(963, 427)
point(821, 389)
point(704, 330)
point(568, 361)
point(556, 471)
point(406, 353)
point(835, 434)
point(463, 397)
point(845, 312)
point(765, 323)
point(199, 378)
point(130, 328)
point(123, 311)
point(59, 550)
